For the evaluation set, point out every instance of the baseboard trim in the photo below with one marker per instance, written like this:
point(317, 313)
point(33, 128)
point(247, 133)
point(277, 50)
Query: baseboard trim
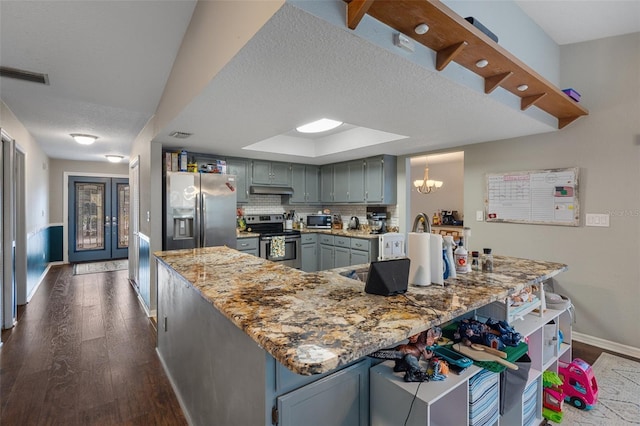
point(606, 344)
point(176, 390)
point(40, 280)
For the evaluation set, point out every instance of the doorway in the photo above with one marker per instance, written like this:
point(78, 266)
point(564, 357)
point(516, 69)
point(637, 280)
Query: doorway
point(98, 218)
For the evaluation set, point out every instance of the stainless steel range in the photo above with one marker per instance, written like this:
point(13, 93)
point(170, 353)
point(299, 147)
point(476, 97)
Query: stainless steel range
point(276, 244)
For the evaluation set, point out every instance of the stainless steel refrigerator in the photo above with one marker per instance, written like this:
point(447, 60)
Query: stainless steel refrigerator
point(200, 210)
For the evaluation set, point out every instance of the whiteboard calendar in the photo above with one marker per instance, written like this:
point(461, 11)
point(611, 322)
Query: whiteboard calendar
point(547, 197)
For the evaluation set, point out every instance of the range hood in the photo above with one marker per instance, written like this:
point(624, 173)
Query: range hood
point(270, 190)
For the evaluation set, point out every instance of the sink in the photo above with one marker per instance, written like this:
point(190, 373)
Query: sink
point(357, 274)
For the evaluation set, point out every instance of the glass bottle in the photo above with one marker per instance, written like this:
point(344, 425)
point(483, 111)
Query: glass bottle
point(487, 260)
point(475, 261)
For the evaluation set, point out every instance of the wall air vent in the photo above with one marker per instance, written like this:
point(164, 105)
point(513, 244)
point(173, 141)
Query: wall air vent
point(33, 77)
point(180, 135)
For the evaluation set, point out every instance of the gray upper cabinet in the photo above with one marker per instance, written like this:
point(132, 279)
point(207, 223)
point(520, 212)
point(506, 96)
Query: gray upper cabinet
point(270, 173)
point(380, 180)
point(326, 183)
point(305, 180)
point(341, 182)
point(240, 168)
point(348, 182)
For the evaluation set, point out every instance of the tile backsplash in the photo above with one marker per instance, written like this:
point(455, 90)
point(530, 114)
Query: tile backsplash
point(263, 204)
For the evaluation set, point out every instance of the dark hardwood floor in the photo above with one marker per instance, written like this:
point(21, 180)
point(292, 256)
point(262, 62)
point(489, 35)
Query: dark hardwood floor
point(82, 353)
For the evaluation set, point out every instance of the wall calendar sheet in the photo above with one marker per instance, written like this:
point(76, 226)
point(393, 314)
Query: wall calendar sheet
point(548, 197)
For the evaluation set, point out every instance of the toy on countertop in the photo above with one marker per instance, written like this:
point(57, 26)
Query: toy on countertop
point(579, 384)
point(553, 396)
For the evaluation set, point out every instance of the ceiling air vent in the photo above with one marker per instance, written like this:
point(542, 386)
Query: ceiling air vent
point(180, 135)
point(34, 77)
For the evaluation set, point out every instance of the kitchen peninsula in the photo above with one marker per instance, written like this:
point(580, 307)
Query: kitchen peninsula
point(237, 334)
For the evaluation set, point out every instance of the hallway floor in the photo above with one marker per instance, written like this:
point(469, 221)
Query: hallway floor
point(82, 353)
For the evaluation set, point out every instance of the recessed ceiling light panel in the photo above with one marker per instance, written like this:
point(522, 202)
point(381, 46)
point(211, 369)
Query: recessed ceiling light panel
point(322, 125)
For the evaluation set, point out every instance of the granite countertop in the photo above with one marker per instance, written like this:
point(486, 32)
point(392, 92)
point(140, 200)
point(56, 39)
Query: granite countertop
point(243, 234)
point(313, 323)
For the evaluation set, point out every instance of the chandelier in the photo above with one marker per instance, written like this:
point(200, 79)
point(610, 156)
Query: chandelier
point(426, 185)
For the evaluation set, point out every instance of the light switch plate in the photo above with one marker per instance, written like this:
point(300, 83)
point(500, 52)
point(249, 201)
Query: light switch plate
point(479, 215)
point(593, 219)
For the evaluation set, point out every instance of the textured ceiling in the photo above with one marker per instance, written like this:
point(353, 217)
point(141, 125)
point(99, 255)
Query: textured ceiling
point(299, 68)
point(108, 62)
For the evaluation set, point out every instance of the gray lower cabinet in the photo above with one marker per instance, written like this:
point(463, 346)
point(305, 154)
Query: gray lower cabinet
point(358, 257)
point(326, 257)
point(248, 245)
point(363, 250)
point(341, 398)
point(339, 251)
point(342, 257)
point(309, 245)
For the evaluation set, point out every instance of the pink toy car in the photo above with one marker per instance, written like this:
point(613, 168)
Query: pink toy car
point(580, 386)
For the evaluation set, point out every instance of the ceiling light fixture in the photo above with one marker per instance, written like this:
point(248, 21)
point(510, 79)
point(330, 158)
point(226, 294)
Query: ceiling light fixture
point(114, 158)
point(322, 125)
point(426, 185)
point(522, 87)
point(83, 139)
point(482, 63)
point(421, 29)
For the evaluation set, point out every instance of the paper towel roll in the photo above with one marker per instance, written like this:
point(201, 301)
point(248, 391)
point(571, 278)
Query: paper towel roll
point(437, 265)
point(418, 252)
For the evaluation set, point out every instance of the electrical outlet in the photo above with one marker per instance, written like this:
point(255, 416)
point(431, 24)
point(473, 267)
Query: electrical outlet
point(593, 219)
point(479, 215)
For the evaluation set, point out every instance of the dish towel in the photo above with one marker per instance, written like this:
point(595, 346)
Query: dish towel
point(277, 247)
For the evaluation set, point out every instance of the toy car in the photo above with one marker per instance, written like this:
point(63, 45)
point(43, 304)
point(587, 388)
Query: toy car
point(579, 384)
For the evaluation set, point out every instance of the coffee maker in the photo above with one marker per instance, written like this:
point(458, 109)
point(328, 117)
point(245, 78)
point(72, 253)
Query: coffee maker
point(377, 220)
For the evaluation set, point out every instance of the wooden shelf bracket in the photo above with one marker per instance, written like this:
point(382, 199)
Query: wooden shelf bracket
point(448, 54)
point(490, 83)
point(527, 101)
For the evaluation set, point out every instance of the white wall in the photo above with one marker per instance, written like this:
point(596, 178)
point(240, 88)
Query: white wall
point(36, 170)
point(603, 280)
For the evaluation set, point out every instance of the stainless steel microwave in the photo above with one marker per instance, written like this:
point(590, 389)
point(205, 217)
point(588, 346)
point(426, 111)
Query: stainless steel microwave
point(319, 221)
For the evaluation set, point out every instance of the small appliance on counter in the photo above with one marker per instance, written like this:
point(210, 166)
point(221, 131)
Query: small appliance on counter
point(377, 218)
point(354, 223)
point(319, 221)
point(450, 217)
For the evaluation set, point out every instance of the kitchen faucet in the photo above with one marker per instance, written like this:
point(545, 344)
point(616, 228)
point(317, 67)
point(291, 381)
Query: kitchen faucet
point(421, 217)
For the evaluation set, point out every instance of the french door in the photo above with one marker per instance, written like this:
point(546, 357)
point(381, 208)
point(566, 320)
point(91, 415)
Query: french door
point(98, 218)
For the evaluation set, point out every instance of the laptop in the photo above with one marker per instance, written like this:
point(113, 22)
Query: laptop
point(388, 277)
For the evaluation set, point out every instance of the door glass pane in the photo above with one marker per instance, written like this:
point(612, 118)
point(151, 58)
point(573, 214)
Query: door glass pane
point(89, 216)
point(123, 215)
